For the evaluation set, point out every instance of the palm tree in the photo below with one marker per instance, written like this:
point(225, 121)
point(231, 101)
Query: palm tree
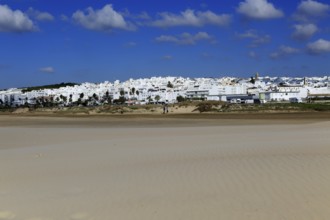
point(107, 97)
point(107, 94)
point(70, 99)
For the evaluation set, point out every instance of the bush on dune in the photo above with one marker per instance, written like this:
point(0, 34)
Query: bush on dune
point(208, 106)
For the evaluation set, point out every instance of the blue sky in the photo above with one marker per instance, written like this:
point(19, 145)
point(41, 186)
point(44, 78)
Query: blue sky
point(44, 42)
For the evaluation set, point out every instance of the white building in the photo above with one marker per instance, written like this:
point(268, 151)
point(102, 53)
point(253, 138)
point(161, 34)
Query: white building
point(268, 88)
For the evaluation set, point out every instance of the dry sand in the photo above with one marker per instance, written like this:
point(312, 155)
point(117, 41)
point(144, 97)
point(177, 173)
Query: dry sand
point(164, 168)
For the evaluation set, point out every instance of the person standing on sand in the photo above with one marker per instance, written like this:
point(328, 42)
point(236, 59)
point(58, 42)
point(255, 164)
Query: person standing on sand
point(164, 108)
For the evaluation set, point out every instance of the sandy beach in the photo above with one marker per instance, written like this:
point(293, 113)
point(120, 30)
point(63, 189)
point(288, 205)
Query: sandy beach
point(208, 167)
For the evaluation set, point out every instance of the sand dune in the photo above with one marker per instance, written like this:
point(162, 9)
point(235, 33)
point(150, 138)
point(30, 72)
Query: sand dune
point(207, 171)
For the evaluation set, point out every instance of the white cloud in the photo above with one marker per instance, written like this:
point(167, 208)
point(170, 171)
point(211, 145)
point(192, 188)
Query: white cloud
point(310, 9)
point(248, 34)
point(167, 38)
point(259, 9)
point(15, 21)
point(304, 31)
point(64, 17)
point(204, 5)
point(143, 15)
point(284, 51)
point(185, 38)
point(167, 57)
point(40, 16)
point(47, 69)
point(318, 47)
point(256, 39)
point(206, 55)
point(105, 19)
point(191, 18)
point(261, 40)
point(253, 54)
point(130, 44)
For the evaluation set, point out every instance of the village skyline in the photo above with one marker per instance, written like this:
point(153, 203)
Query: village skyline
point(48, 42)
point(171, 90)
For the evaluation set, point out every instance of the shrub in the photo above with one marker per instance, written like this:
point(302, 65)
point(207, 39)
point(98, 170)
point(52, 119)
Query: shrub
point(207, 106)
point(180, 98)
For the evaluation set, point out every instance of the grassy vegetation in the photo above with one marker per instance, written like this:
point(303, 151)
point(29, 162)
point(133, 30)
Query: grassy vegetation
point(53, 86)
point(276, 107)
point(315, 106)
point(198, 106)
point(5, 110)
point(209, 106)
point(216, 106)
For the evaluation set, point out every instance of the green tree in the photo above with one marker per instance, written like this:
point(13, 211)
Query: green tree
point(64, 98)
point(149, 99)
point(95, 97)
point(122, 100)
point(81, 95)
point(137, 92)
point(180, 98)
point(122, 92)
point(169, 84)
point(157, 98)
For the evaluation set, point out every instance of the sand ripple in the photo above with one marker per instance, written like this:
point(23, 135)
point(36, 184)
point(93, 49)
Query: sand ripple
point(246, 171)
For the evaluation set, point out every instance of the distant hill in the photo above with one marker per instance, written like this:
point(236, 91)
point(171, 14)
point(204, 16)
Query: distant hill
point(53, 86)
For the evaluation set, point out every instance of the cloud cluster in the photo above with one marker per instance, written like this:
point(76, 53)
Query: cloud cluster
point(130, 44)
point(253, 55)
point(307, 14)
point(185, 38)
point(256, 39)
point(15, 21)
point(167, 57)
point(40, 16)
point(304, 31)
point(319, 47)
point(47, 69)
point(310, 9)
point(259, 9)
point(191, 18)
point(105, 19)
point(284, 51)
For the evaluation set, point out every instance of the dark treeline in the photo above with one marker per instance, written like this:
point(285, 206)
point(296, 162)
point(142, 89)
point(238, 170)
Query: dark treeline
point(53, 86)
